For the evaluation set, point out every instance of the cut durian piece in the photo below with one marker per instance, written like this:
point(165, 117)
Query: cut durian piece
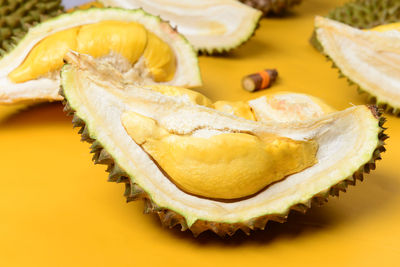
point(364, 14)
point(209, 25)
point(17, 16)
point(370, 59)
point(143, 47)
point(107, 110)
point(272, 7)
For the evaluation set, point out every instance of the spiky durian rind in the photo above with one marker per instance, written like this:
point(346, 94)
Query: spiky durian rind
point(17, 16)
point(363, 14)
point(170, 218)
point(272, 7)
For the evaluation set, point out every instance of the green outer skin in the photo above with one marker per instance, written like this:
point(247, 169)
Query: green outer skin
point(171, 218)
point(364, 14)
point(272, 7)
point(16, 16)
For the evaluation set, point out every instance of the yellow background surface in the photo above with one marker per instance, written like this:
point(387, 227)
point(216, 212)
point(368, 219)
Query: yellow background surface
point(56, 208)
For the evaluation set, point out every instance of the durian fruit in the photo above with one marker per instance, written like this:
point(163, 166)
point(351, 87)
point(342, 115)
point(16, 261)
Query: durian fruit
point(211, 26)
point(16, 16)
point(368, 58)
point(272, 7)
point(143, 47)
point(214, 166)
point(364, 14)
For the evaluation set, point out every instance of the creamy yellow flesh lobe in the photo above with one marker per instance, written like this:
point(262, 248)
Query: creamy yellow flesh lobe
point(221, 166)
point(387, 27)
point(125, 38)
point(46, 56)
point(128, 39)
point(160, 59)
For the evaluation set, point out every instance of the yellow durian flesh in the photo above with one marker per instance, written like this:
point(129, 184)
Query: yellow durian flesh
point(128, 39)
point(387, 27)
point(159, 58)
point(223, 165)
point(100, 39)
point(46, 56)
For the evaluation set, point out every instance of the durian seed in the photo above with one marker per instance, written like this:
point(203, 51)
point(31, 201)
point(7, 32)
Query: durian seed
point(260, 80)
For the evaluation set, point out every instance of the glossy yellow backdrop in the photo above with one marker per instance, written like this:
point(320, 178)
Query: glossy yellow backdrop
point(57, 209)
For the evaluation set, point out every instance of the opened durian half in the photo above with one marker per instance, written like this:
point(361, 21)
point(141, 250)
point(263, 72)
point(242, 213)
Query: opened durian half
point(368, 58)
point(143, 47)
point(209, 25)
point(218, 166)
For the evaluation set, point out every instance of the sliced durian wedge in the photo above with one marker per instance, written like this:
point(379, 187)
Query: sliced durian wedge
point(370, 59)
point(162, 141)
point(143, 47)
point(209, 25)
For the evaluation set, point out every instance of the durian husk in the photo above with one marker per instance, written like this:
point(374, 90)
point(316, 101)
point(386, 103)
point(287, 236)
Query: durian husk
point(364, 14)
point(272, 7)
point(17, 16)
point(171, 219)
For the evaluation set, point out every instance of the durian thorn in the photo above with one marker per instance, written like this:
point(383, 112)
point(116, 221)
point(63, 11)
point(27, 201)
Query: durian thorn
point(104, 158)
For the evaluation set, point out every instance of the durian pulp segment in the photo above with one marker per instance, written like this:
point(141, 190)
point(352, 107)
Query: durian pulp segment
point(387, 27)
point(218, 164)
point(45, 57)
point(371, 59)
point(159, 58)
point(128, 39)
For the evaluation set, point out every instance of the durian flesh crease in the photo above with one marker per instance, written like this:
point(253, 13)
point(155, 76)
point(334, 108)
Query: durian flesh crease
point(370, 58)
point(128, 39)
point(346, 141)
